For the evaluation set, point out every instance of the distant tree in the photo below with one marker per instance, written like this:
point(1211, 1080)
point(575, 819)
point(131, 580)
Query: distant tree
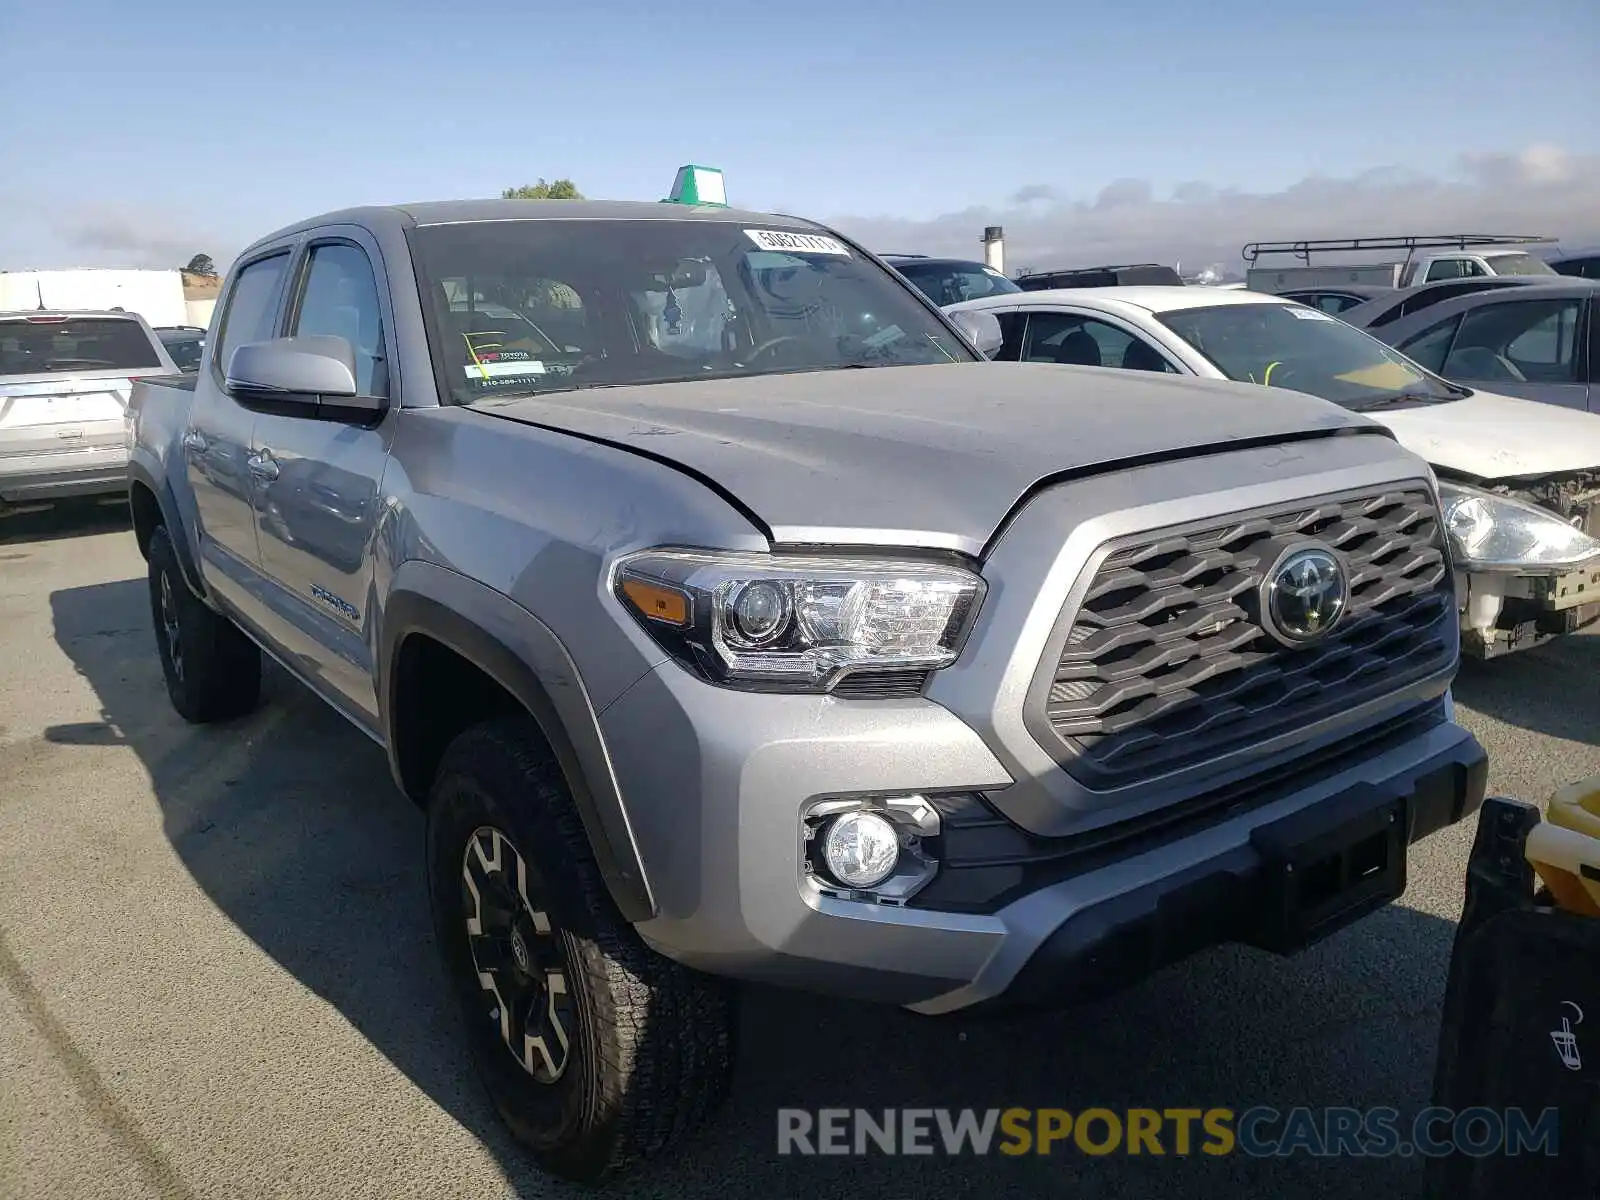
point(559, 189)
point(201, 264)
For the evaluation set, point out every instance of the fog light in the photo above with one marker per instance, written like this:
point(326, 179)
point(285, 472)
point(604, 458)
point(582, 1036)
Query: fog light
point(861, 849)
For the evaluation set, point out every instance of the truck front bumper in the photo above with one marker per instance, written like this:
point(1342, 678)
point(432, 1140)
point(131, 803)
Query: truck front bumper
point(716, 784)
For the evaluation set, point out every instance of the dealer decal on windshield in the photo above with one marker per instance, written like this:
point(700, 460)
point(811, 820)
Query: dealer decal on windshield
point(796, 243)
point(1311, 314)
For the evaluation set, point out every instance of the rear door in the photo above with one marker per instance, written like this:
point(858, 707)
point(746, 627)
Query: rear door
point(64, 384)
point(317, 497)
point(216, 444)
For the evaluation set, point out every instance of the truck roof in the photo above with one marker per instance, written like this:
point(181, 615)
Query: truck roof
point(457, 212)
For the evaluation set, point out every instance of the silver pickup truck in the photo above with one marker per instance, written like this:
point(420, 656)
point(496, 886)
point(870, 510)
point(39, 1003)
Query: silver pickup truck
point(733, 619)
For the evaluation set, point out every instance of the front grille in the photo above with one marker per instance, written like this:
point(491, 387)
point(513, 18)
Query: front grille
point(1167, 662)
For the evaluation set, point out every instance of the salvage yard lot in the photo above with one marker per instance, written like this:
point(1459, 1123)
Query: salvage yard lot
point(217, 976)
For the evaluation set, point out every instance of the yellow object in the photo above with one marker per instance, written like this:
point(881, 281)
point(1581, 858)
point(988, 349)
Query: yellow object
point(1388, 376)
point(1565, 847)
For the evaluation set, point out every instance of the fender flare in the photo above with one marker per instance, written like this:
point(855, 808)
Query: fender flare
point(526, 658)
point(141, 474)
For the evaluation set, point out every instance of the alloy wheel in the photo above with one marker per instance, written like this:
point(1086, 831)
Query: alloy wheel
point(517, 955)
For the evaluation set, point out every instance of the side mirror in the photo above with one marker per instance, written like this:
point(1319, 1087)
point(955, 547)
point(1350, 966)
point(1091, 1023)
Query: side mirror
point(311, 376)
point(981, 328)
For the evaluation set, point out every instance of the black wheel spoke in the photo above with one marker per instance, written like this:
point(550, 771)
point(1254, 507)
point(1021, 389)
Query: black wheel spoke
point(517, 955)
point(491, 953)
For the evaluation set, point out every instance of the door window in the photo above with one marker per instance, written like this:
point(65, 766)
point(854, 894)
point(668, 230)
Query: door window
point(1084, 341)
point(1531, 341)
point(1429, 347)
point(340, 299)
point(251, 314)
point(1012, 324)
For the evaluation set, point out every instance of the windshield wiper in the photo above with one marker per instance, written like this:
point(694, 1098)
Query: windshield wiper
point(1397, 399)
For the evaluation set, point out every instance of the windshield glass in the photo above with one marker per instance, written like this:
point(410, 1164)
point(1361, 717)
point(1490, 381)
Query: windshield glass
point(952, 282)
point(1303, 349)
point(538, 305)
point(1520, 264)
point(60, 345)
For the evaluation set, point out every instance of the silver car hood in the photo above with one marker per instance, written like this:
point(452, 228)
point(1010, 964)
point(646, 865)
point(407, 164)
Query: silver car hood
point(933, 456)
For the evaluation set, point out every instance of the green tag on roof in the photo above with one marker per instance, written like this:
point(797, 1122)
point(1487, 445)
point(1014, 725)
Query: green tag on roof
point(698, 185)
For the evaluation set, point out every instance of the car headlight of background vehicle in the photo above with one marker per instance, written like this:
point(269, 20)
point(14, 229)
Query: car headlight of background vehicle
point(1490, 532)
point(798, 623)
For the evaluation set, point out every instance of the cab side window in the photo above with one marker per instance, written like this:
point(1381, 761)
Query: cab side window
point(1447, 268)
point(340, 298)
point(251, 314)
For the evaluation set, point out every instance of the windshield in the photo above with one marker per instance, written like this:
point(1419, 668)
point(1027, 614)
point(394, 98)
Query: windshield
point(1520, 264)
point(60, 345)
point(1305, 350)
point(536, 305)
point(952, 282)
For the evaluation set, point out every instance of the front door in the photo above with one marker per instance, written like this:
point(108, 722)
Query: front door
point(318, 498)
point(216, 444)
point(1531, 348)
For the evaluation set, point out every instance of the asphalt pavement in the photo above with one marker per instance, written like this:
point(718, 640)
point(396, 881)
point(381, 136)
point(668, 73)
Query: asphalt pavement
point(217, 977)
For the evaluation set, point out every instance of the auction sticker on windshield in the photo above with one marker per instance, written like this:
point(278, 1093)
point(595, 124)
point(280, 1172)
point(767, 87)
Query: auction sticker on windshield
point(1310, 314)
point(796, 243)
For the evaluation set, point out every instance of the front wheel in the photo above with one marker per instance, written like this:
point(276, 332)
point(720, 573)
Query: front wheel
point(598, 1052)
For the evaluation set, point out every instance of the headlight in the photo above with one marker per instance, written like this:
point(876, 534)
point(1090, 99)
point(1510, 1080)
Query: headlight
point(798, 623)
point(1489, 532)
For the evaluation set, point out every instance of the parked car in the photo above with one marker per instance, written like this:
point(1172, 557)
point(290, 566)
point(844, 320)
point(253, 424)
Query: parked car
point(1337, 299)
point(1540, 343)
point(1112, 276)
point(1584, 264)
point(64, 383)
point(1461, 255)
point(1394, 303)
point(184, 343)
point(941, 684)
point(1520, 481)
point(950, 280)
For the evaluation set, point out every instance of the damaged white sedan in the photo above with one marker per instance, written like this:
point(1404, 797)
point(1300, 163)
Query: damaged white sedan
point(1520, 481)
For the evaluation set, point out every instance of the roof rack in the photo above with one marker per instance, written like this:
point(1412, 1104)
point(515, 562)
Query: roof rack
point(1303, 250)
point(897, 254)
point(1075, 270)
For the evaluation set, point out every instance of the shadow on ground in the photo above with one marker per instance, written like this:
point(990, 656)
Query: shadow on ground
point(289, 821)
point(1552, 689)
point(68, 519)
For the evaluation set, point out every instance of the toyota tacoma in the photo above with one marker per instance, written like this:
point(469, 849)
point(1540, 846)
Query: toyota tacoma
point(732, 619)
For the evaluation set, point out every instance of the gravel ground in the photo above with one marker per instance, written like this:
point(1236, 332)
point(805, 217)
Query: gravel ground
point(217, 976)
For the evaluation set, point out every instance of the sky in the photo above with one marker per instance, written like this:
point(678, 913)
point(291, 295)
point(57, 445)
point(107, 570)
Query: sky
point(140, 134)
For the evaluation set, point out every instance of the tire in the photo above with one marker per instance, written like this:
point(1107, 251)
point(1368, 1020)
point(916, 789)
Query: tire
point(645, 1048)
point(213, 670)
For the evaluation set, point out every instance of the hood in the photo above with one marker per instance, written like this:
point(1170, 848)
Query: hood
point(1489, 436)
point(932, 456)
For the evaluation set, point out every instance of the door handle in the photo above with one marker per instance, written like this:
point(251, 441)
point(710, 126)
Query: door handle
point(262, 465)
point(194, 442)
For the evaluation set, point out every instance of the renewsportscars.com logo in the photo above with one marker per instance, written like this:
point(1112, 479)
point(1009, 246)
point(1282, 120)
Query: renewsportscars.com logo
point(1256, 1132)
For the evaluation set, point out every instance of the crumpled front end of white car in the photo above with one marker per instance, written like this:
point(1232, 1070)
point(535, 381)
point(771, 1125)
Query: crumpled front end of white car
point(1527, 560)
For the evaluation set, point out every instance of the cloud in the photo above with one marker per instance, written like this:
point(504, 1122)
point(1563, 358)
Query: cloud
point(1541, 190)
point(40, 237)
